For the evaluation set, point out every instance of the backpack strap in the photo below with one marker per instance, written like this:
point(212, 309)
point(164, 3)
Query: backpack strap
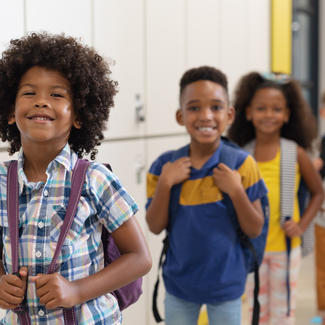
point(287, 196)
point(228, 157)
point(78, 177)
point(182, 152)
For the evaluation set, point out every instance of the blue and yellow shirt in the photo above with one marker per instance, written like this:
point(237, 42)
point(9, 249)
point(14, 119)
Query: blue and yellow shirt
point(204, 262)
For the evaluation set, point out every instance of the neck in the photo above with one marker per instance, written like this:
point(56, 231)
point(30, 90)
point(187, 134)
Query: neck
point(36, 160)
point(200, 154)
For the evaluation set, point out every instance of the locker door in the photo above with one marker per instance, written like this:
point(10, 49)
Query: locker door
point(127, 160)
point(11, 26)
point(232, 35)
point(156, 147)
point(119, 37)
point(72, 17)
point(165, 57)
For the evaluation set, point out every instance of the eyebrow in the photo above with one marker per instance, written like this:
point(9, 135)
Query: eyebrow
point(52, 87)
point(195, 101)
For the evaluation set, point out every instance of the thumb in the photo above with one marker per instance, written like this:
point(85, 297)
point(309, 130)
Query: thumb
point(23, 272)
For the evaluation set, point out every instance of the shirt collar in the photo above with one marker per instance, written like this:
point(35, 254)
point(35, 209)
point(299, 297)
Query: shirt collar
point(67, 158)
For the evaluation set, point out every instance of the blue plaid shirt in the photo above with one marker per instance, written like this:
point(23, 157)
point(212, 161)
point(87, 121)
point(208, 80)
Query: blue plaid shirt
point(42, 207)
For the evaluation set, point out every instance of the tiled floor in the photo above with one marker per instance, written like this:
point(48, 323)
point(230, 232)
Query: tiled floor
point(306, 305)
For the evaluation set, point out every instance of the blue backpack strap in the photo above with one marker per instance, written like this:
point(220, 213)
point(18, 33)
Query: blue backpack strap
point(228, 156)
point(176, 190)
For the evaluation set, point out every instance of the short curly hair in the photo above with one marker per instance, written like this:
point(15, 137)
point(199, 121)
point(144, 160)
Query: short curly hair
point(89, 76)
point(301, 126)
point(203, 73)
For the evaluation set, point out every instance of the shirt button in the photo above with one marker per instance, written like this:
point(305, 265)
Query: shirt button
point(40, 224)
point(41, 312)
point(38, 254)
point(46, 193)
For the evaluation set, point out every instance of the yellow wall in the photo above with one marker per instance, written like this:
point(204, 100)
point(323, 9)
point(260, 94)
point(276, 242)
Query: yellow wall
point(281, 35)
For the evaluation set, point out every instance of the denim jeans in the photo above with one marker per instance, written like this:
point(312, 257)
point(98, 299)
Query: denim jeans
point(182, 312)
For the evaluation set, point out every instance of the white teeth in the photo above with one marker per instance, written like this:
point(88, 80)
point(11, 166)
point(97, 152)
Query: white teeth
point(40, 118)
point(205, 129)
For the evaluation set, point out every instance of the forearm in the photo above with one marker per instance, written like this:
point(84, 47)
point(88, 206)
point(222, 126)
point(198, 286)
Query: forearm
point(124, 270)
point(158, 210)
point(250, 217)
point(313, 207)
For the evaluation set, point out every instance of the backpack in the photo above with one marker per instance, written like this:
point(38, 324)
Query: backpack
point(125, 296)
point(253, 248)
point(288, 162)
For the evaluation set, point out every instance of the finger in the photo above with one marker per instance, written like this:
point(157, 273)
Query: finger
point(223, 166)
point(23, 272)
point(45, 297)
point(52, 304)
point(12, 299)
point(5, 305)
point(40, 280)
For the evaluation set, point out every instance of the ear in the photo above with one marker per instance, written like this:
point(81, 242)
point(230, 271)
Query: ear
point(248, 113)
point(12, 118)
point(76, 124)
point(231, 114)
point(179, 117)
point(287, 117)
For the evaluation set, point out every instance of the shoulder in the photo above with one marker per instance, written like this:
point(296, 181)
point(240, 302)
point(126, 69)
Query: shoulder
point(234, 155)
point(170, 155)
point(100, 178)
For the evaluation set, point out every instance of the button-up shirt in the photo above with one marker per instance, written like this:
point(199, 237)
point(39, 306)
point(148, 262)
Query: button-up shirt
point(42, 207)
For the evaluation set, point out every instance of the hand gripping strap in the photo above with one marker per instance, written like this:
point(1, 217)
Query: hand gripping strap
point(78, 178)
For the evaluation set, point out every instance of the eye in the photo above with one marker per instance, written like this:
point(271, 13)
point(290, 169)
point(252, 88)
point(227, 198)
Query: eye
point(28, 93)
point(217, 107)
point(57, 95)
point(277, 109)
point(260, 108)
point(193, 108)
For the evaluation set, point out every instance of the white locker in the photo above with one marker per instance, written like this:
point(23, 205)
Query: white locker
point(11, 26)
point(165, 63)
point(119, 37)
point(128, 163)
point(232, 35)
point(155, 147)
point(11, 22)
point(71, 17)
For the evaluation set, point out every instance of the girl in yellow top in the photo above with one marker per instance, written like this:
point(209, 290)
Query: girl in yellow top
point(268, 107)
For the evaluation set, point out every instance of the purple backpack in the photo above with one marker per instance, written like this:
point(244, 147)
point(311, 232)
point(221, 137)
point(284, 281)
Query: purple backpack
point(125, 296)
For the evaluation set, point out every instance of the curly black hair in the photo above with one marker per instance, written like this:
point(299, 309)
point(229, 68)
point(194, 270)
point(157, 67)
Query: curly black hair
point(89, 76)
point(203, 73)
point(301, 126)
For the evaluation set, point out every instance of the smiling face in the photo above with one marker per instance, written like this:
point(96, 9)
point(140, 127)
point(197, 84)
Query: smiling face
point(43, 109)
point(205, 112)
point(268, 111)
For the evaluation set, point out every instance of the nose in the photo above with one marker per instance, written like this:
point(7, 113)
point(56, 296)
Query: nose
point(40, 102)
point(206, 113)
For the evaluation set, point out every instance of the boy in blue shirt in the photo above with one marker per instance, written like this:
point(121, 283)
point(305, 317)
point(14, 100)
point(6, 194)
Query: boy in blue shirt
point(185, 188)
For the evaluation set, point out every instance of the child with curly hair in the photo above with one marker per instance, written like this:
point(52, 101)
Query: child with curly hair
point(188, 191)
point(55, 96)
point(270, 107)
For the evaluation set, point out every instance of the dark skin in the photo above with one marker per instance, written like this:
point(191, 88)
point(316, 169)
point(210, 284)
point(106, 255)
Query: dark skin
point(268, 112)
point(205, 112)
point(42, 140)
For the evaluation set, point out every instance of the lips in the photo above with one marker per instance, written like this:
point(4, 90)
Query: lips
point(206, 128)
point(38, 117)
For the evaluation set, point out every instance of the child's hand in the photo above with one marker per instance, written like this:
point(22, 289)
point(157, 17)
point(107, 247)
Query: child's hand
point(226, 179)
point(12, 289)
point(176, 172)
point(292, 229)
point(55, 291)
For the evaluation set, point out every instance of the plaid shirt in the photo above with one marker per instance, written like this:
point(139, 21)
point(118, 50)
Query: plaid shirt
point(42, 207)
